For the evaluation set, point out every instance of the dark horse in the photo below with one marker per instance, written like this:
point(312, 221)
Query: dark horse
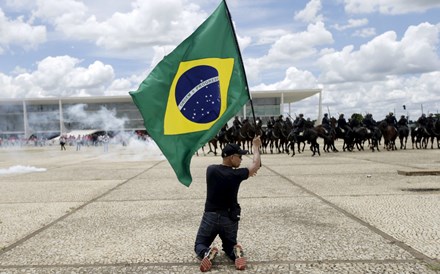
point(362, 134)
point(213, 143)
point(328, 136)
point(403, 132)
point(434, 133)
point(246, 134)
point(274, 137)
point(295, 137)
point(389, 135)
point(311, 136)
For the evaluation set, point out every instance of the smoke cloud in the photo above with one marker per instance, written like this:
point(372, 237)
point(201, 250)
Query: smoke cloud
point(20, 169)
point(102, 119)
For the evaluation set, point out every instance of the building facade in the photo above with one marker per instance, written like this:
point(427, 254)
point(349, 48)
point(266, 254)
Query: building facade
point(50, 117)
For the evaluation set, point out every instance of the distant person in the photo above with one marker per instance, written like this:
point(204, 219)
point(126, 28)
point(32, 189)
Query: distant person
point(222, 210)
point(105, 141)
point(63, 142)
point(78, 142)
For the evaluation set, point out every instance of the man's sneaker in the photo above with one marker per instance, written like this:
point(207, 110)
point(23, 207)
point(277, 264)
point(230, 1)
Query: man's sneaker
point(206, 263)
point(240, 260)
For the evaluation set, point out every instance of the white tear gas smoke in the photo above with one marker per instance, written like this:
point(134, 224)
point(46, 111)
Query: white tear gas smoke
point(102, 119)
point(20, 169)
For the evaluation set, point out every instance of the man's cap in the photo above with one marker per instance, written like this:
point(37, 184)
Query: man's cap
point(231, 149)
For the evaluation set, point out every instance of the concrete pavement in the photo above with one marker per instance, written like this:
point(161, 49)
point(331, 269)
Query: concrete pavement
point(125, 212)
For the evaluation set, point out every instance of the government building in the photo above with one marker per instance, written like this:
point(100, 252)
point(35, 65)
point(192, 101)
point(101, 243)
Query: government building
point(51, 117)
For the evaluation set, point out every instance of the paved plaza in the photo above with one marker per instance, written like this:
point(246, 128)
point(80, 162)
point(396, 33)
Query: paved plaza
point(125, 212)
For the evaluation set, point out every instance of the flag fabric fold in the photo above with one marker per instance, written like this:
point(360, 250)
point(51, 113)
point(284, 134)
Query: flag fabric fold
point(194, 91)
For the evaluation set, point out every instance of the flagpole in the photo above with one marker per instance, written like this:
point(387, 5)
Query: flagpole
point(241, 58)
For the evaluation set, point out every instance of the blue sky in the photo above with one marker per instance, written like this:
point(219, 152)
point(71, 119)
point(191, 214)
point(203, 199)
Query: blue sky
point(367, 56)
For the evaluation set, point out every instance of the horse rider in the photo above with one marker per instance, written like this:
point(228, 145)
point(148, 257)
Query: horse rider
point(422, 123)
point(237, 123)
point(299, 124)
point(309, 123)
point(270, 125)
point(271, 122)
point(342, 124)
point(353, 123)
point(288, 123)
point(326, 123)
point(258, 122)
point(391, 120)
point(430, 122)
point(280, 119)
point(222, 131)
point(369, 122)
point(403, 122)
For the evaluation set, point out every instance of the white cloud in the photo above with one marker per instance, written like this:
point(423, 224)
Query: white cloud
point(17, 32)
point(244, 42)
point(384, 55)
point(310, 13)
point(352, 23)
point(59, 76)
point(389, 6)
point(269, 36)
point(294, 79)
point(147, 24)
point(365, 32)
point(291, 48)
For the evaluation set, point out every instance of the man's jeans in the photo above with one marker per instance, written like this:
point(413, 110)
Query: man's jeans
point(214, 224)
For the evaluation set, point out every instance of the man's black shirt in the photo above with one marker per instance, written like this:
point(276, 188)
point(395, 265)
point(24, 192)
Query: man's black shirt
point(223, 183)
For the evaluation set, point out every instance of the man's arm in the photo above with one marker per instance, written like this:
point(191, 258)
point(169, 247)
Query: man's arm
point(256, 162)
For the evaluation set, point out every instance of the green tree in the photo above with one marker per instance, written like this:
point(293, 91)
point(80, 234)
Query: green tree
point(357, 116)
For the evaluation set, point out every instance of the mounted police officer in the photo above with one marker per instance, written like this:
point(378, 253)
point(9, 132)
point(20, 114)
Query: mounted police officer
point(299, 124)
point(391, 120)
point(326, 122)
point(369, 122)
point(222, 131)
point(422, 124)
point(270, 125)
point(271, 122)
point(236, 124)
point(430, 122)
point(342, 125)
point(288, 122)
point(403, 122)
point(258, 122)
point(422, 121)
point(280, 119)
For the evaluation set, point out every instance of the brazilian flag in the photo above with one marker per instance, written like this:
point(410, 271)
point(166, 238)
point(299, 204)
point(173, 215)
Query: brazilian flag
point(194, 91)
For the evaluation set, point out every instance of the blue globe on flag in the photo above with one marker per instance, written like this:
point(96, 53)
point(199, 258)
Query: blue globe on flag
point(198, 94)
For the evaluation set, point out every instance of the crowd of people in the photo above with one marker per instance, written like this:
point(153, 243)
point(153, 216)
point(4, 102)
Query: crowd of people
point(67, 140)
